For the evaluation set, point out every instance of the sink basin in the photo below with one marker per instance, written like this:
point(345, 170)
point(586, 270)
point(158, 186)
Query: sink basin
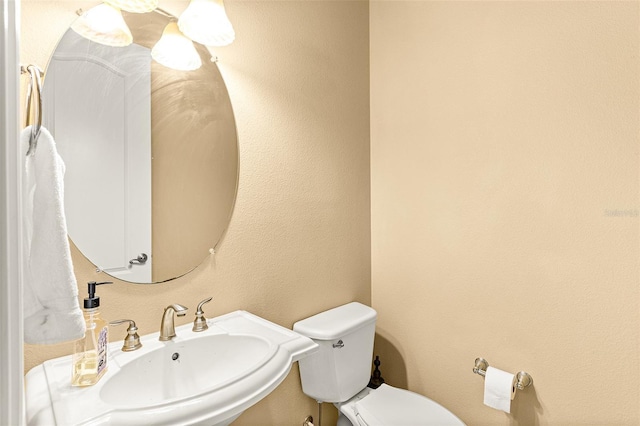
point(186, 368)
point(206, 378)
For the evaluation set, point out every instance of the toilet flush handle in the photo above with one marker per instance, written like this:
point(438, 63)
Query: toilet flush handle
point(340, 344)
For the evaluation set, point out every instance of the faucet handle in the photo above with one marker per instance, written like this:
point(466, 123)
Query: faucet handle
point(200, 323)
point(132, 341)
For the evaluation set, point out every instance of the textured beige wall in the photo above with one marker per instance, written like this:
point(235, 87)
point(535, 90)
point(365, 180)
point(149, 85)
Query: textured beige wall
point(504, 139)
point(298, 243)
point(195, 165)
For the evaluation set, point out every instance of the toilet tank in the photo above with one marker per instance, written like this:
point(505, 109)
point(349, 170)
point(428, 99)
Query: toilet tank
point(342, 366)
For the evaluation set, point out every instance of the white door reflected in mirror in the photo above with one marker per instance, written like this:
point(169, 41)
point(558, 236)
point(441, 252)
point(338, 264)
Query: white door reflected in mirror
point(108, 137)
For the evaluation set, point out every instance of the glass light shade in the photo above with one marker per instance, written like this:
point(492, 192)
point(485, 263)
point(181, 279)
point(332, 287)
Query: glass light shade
point(176, 51)
point(206, 22)
point(103, 24)
point(135, 6)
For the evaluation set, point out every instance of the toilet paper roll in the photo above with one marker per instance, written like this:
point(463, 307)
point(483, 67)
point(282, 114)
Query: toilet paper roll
point(499, 389)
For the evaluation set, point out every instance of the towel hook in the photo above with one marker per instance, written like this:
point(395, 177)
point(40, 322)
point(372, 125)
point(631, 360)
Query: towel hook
point(34, 91)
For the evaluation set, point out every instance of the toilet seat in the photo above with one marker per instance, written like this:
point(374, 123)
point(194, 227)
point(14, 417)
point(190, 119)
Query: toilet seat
point(389, 406)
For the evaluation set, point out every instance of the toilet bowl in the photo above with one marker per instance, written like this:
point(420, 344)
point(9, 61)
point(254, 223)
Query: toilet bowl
point(339, 373)
point(388, 406)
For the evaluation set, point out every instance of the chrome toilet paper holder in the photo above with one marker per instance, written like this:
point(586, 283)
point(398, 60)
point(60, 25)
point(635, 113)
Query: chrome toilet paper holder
point(523, 379)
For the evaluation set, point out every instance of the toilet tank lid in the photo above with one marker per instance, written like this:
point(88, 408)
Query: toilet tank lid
point(337, 322)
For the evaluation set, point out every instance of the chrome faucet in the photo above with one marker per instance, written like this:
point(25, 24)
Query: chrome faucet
point(167, 327)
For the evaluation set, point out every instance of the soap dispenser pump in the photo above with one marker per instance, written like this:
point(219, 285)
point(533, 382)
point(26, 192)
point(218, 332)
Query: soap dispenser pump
point(90, 354)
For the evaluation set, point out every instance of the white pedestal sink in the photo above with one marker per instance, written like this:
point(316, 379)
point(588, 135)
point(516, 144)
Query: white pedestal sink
point(205, 378)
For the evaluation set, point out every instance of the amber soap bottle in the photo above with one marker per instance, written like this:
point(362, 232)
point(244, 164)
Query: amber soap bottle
point(90, 352)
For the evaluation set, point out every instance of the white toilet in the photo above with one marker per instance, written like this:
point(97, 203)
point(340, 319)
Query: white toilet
point(339, 373)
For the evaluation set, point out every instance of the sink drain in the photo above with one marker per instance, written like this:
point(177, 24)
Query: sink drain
point(175, 356)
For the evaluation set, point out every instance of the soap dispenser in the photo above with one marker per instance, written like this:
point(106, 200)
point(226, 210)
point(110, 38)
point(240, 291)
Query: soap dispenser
point(90, 354)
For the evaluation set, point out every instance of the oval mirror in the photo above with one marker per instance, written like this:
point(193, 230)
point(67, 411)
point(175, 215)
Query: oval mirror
point(151, 153)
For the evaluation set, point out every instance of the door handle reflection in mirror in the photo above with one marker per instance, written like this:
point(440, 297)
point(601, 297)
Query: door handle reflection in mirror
point(140, 260)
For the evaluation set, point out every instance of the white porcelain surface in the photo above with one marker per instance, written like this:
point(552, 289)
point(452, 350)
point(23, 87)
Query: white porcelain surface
point(217, 374)
point(342, 366)
point(201, 364)
point(387, 406)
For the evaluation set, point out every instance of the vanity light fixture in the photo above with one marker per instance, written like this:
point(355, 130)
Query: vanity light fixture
point(206, 22)
point(176, 51)
point(134, 6)
point(103, 24)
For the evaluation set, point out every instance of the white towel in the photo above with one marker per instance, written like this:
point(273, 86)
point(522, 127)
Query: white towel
point(51, 310)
